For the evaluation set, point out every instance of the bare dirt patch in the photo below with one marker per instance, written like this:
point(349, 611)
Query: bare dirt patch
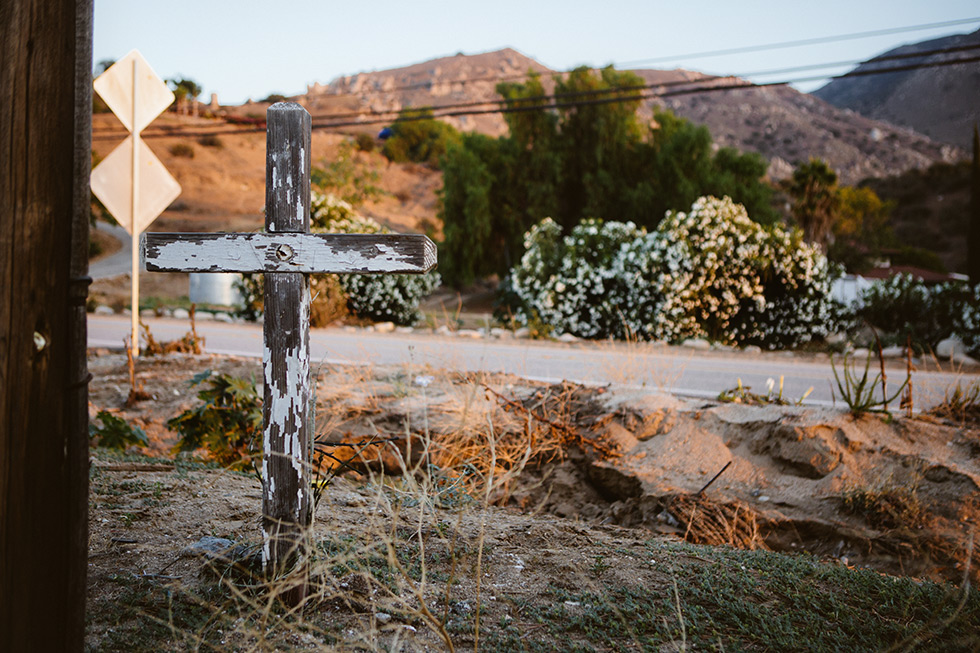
point(497, 512)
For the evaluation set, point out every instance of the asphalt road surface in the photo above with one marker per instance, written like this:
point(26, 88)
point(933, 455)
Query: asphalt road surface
point(678, 370)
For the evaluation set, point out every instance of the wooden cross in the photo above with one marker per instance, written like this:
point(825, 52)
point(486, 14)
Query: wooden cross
point(287, 253)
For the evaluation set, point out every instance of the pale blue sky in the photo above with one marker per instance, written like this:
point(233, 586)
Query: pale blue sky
point(250, 48)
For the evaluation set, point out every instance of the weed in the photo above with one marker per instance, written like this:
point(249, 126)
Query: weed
point(889, 507)
point(191, 343)
point(860, 394)
point(742, 394)
point(228, 423)
point(116, 433)
point(960, 405)
point(599, 566)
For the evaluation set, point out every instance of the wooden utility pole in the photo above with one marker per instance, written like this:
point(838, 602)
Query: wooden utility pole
point(45, 140)
point(973, 235)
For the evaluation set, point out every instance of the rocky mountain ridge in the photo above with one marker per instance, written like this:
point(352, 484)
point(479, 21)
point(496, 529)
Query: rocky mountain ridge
point(782, 124)
point(941, 102)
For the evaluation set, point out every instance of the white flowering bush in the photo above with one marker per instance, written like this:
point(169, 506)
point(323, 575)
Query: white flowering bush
point(710, 272)
point(967, 322)
point(570, 282)
point(389, 297)
point(709, 262)
point(904, 305)
point(797, 304)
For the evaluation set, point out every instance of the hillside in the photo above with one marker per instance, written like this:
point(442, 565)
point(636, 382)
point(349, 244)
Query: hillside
point(780, 123)
point(222, 175)
point(942, 103)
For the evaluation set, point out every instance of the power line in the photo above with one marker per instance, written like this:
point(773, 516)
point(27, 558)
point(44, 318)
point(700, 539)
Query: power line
point(551, 102)
point(804, 42)
point(699, 55)
point(667, 84)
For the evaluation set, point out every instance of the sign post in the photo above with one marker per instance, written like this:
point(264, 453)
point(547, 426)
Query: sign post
point(131, 182)
point(287, 253)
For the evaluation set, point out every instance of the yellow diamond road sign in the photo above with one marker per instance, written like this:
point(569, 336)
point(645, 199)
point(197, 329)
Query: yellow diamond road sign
point(112, 183)
point(133, 91)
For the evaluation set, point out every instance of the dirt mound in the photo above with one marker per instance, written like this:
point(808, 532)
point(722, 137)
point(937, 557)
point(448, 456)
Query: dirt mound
point(899, 495)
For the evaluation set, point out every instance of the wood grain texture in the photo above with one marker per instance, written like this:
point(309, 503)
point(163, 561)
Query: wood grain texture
point(287, 409)
point(289, 252)
point(287, 168)
point(42, 483)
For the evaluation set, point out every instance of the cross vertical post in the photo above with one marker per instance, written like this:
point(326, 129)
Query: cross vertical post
point(286, 362)
point(287, 254)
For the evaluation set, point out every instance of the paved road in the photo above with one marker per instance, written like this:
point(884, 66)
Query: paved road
point(119, 263)
point(675, 369)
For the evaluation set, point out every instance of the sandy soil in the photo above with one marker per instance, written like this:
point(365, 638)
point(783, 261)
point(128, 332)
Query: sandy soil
point(582, 487)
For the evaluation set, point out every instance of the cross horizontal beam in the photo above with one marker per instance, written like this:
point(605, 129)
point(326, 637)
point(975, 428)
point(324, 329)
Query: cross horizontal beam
point(288, 252)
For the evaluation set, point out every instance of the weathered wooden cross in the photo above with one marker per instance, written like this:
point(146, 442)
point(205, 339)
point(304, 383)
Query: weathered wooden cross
point(287, 253)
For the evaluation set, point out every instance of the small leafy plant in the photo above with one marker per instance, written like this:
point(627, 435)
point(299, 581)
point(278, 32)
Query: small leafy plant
point(116, 433)
point(742, 394)
point(860, 394)
point(228, 424)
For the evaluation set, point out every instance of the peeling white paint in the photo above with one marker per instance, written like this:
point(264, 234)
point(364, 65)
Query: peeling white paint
point(313, 253)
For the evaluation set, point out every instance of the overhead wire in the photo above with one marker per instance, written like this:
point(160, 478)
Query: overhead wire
point(620, 94)
point(699, 55)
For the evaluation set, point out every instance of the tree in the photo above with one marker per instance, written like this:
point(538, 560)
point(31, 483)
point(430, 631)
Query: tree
point(418, 137)
point(813, 188)
point(184, 90)
point(861, 229)
point(578, 154)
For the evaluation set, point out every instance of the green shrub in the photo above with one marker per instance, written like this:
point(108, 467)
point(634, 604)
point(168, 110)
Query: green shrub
point(365, 142)
point(211, 140)
point(905, 305)
point(116, 433)
point(228, 423)
point(182, 149)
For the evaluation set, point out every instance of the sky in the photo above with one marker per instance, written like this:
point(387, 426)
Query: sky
point(249, 49)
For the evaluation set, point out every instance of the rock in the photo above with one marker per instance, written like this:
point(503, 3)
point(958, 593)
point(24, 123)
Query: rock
point(809, 452)
point(835, 339)
point(567, 337)
point(443, 330)
point(223, 317)
point(181, 313)
point(469, 333)
point(148, 312)
point(384, 327)
point(614, 481)
point(104, 310)
point(382, 617)
point(209, 547)
point(893, 352)
point(523, 332)
point(697, 343)
point(750, 416)
point(752, 349)
point(949, 347)
point(860, 355)
point(963, 359)
point(404, 329)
